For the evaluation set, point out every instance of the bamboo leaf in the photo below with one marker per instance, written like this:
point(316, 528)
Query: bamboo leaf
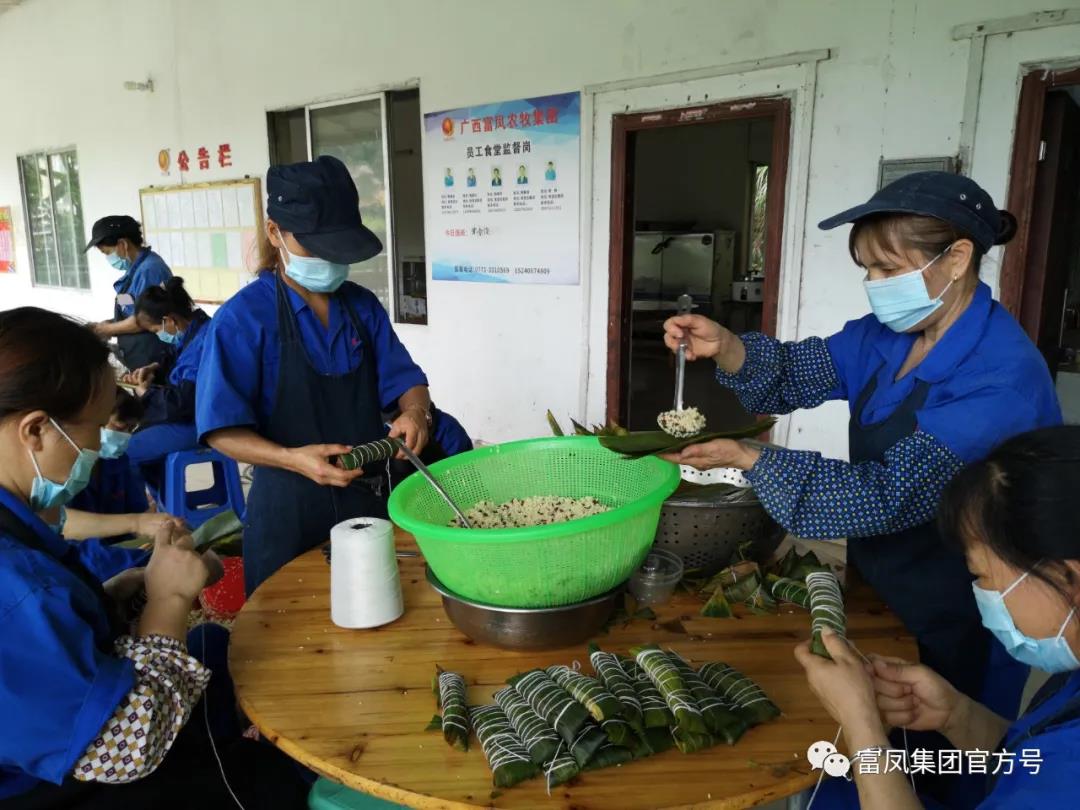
point(554, 424)
point(639, 444)
point(580, 429)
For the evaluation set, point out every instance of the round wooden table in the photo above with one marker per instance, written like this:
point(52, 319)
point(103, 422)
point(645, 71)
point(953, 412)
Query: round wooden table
point(352, 704)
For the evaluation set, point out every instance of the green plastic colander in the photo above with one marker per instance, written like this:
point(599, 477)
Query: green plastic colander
point(537, 566)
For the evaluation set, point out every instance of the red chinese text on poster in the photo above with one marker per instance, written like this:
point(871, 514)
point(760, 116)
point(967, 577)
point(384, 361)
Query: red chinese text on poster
point(7, 241)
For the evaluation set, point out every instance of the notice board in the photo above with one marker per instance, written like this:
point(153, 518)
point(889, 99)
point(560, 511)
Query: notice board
point(206, 232)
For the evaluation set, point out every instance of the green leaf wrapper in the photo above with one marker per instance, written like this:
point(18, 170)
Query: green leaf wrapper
point(666, 678)
point(748, 699)
point(638, 444)
point(505, 754)
point(538, 737)
point(551, 702)
point(826, 608)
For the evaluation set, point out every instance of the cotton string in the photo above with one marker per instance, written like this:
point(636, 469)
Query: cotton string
point(822, 774)
point(210, 734)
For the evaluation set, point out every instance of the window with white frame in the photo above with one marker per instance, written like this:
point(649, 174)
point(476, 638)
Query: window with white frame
point(378, 137)
point(54, 218)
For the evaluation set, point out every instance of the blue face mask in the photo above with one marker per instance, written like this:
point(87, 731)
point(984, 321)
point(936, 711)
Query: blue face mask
point(114, 443)
point(315, 274)
point(170, 340)
point(1048, 654)
point(118, 262)
point(46, 494)
point(902, 302)
point(58, 527)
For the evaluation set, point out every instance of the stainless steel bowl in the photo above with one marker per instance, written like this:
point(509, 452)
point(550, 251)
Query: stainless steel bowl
point(705, 525)
point(527, 628)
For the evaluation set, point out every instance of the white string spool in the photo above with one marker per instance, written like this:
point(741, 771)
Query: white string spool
point(365, 586)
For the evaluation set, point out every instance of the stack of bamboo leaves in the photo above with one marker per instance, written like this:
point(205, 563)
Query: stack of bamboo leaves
point(798, 579)
point(559, 722)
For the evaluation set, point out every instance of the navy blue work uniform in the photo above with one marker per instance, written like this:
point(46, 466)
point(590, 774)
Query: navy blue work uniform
point(61, 679)
point(144, 348)
point(168, 421)
point(269, 364)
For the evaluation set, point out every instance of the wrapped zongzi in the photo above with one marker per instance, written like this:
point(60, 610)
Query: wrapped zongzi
point(589, 692)
point(826, 608)
point(506, 756)
point(449, 688)
point(614, 677)
point(666, 678)
point(749, 701)
point(721, 722)
point(539, 738)
point(551, 702)
point(784, 589)
point(654, 709)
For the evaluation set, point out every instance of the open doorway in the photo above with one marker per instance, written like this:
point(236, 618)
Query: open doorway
point(1040, 277)
point(697, 207)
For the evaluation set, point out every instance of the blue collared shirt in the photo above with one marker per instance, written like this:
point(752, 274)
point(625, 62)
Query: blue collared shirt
point(60, 682)
point(237, 379)
point(147, 270)
point(988, 383)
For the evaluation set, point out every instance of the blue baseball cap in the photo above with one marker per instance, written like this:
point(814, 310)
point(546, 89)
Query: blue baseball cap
point(953, 198)
point(316, 201)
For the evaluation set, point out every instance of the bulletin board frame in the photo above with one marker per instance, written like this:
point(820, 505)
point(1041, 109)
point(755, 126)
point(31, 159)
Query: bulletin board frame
point(206, 232)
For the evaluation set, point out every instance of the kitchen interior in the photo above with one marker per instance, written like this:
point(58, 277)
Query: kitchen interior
point(699, 229)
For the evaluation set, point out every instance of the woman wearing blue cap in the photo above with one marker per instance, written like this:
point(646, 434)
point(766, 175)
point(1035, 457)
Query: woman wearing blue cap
point(119, 238)
point(300, 365)
point(935, 377)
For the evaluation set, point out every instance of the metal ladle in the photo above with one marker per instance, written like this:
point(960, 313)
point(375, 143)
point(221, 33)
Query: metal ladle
point(685, 304)
point(422, 468)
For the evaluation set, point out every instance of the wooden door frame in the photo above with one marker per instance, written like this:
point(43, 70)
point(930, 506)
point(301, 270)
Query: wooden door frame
point(621, 247)
point(1024, 166)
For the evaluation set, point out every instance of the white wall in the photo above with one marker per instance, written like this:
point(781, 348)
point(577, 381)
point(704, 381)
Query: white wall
point(497, 355)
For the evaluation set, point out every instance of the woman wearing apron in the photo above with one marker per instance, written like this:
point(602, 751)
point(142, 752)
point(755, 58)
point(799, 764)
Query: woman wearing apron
point(1014, 514)
point(935, 377)
point(300, 365)
point(119, 238)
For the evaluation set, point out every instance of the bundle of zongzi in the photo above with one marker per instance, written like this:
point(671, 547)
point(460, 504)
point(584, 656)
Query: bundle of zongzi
point(826, 608)
point(749, 701)
point(589, 692)
point(654, 709)
point(506, 756)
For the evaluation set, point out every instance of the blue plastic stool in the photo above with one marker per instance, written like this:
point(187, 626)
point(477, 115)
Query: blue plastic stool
point(200, 505)
point(327, 795)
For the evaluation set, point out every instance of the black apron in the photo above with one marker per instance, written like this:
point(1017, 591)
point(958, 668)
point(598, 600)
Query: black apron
point(924, 582)
point(288, 514)
point(144, 348)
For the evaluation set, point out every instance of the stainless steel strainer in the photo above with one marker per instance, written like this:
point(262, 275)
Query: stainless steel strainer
point(706, 522)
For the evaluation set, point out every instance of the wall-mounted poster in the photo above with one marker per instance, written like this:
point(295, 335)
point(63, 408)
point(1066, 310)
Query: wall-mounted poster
point(501, 185)
point(7, 241)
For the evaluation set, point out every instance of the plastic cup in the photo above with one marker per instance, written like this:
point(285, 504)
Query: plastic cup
point(655, 581)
